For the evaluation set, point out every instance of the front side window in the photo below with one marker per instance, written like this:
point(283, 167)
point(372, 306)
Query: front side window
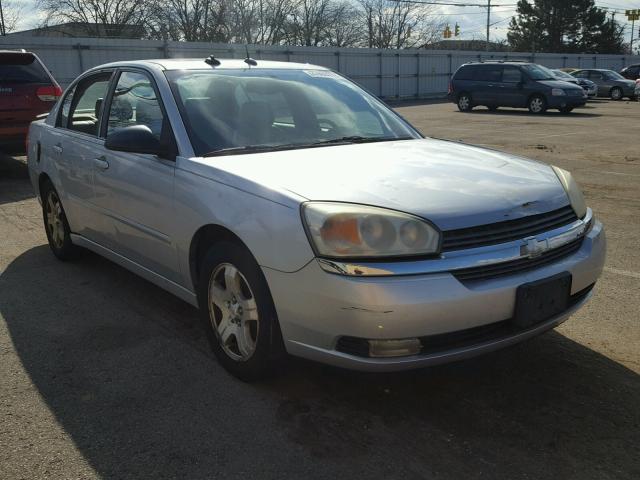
point(85, 104)
point(611, 75)
point(135, 103)
point(278, 109)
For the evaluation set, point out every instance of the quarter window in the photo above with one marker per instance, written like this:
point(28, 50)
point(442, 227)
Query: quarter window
point(135, 103)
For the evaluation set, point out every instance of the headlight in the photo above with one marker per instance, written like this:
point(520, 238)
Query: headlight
point(558, 92)
point(573, 191)
point(349, 230)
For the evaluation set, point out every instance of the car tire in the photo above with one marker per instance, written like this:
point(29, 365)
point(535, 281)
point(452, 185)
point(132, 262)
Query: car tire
point(537, 104)
point(464, 102)
point(616, 93)
point(240, 318)
point(565, 109)
point(56, 225)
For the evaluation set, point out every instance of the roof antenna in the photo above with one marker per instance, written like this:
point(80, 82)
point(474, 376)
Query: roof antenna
point(211, 60)
point(249, 60)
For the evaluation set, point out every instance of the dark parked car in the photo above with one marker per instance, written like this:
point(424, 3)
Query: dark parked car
point(587, 85)
point(632, 72)
point(27, 90)
point(610, 84)
point(512, 84)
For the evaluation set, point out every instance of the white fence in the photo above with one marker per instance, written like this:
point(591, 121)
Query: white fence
point(386, 73)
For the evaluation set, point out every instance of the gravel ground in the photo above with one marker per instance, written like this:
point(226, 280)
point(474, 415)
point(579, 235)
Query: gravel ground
point(103, 375)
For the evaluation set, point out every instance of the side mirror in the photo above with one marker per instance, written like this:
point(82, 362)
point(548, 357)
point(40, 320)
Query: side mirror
point(135, 139)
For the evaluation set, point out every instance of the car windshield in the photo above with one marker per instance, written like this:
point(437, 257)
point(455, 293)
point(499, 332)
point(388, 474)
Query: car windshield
point(21, 68)
point(235, 111)
point(611, 75)
point(538, 72)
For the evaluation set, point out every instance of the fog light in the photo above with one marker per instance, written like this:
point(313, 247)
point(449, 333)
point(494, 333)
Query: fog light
point(394, 348)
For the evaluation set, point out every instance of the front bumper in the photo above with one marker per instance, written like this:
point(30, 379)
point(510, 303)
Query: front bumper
point(316, 308)
point(566, 101)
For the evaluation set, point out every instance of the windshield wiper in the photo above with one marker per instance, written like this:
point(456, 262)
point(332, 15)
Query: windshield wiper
point(360, 139)
point(249, 149)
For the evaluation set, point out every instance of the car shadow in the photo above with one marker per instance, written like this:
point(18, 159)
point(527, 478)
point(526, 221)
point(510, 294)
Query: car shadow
point(523, 112)
point(14, 179)
point(125, 369)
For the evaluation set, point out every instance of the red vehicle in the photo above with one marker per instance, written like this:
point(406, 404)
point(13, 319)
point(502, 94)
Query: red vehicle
point(27, 90)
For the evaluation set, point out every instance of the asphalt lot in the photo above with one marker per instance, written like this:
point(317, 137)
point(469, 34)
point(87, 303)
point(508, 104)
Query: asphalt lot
point(103, 375)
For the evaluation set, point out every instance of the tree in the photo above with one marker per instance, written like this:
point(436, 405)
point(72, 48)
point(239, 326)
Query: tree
point(560, 26)
point(393, 24)
point(11, 12)
point(117, 15)
point(188, 20)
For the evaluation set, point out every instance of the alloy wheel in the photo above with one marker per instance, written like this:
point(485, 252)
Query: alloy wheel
point(55, 223)
point(616, 94)
point(233, 312)
point(464, 103)
point(536, 105)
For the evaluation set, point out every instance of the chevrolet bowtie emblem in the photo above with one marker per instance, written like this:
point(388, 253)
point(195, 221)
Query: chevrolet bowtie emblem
point(533, 247)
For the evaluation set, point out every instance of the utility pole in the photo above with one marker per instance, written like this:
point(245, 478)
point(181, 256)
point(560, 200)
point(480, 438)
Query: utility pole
point(488, 23)
point(632, 15)
point(3, 32)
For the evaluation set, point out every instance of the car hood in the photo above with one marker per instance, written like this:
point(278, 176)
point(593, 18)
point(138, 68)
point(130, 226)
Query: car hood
point(452, 184)
point(565, 84)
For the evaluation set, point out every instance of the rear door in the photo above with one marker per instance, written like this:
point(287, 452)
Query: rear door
point(134, 189)
point(511, 86)
point(487, 89)
point(26, 90)
point(74, 146)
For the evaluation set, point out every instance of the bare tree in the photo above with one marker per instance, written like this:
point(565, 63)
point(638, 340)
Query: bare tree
point(96, 15)
point(345, 28)
point(188, 20)
point(259, 21)
point(11, 12)
point(393, 24)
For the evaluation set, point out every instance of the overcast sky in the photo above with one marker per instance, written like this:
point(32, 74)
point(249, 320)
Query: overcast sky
point(472, 19)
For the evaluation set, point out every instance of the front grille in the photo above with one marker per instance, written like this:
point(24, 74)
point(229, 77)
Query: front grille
point(454, 340)
point(519, 265)
point(507, 231)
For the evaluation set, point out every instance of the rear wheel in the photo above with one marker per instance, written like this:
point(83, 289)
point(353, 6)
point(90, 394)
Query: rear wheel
point(616, 93)
point(238, 313)
point(464, 102)
point(537, 104)
point(56, 225)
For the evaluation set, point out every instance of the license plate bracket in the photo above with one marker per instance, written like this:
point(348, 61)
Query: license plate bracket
point(540, 300)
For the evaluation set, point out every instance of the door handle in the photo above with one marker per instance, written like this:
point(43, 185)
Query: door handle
point(101, 163)
point(57, 148)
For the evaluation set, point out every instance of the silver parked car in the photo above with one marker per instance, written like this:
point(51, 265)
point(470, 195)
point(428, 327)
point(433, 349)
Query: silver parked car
point(303, 216)
point(610, 84)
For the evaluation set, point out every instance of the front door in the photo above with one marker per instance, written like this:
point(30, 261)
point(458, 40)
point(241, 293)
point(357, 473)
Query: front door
point(137, 189)
point(512, 87)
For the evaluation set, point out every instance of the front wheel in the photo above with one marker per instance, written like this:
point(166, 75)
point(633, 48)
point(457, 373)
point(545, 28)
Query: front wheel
point(238, 313)
point(537, 104)
point(464, 102)
point(616, 93)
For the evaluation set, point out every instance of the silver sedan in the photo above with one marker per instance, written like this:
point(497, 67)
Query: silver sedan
point(303, 216)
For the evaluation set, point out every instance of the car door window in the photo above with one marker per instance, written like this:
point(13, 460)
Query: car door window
point(489, 73)
point(511, 75)
point(583, 74)
point(135, 103)
point(82, 107)
point(596, 76)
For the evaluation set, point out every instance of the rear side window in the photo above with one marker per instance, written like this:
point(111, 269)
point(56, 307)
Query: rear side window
point(82, 107)
point(489, 73)
point(465, 73)
point(22, 68)
point(511, 75)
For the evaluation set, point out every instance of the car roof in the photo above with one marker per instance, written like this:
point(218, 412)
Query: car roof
point(497, 62)
point(199, 64)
